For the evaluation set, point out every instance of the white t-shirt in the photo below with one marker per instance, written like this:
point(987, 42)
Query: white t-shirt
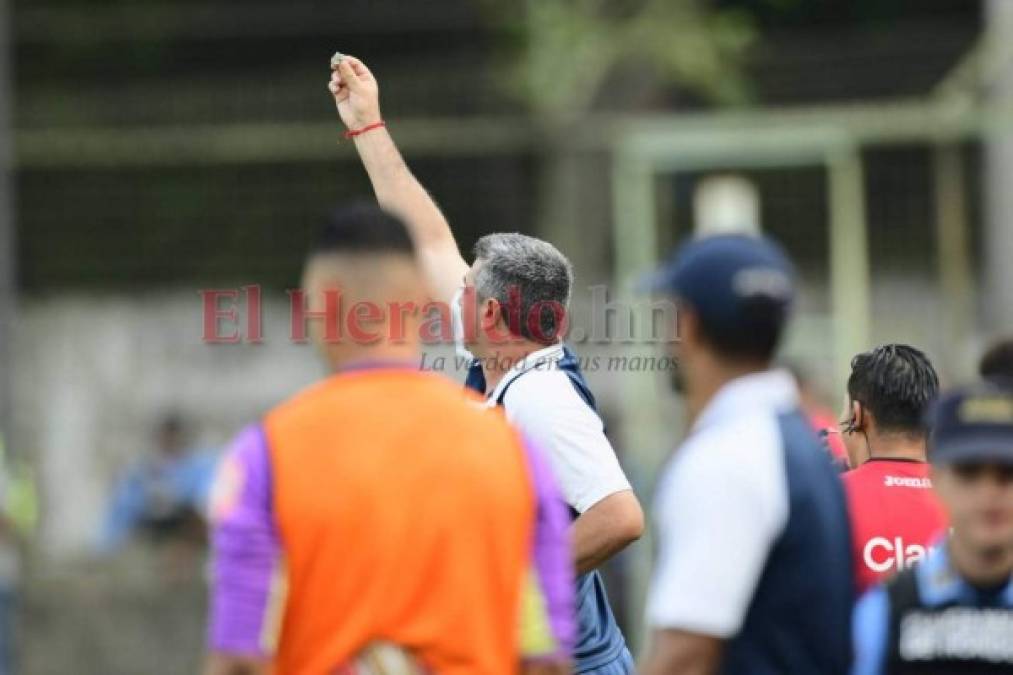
point(720, 505)
point(541, 401)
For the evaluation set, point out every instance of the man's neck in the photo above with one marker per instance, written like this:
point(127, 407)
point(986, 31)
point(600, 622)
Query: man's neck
point(503, 359)
point(407, 353)
point(896, 446)
point(983, 569)
point(707, 385)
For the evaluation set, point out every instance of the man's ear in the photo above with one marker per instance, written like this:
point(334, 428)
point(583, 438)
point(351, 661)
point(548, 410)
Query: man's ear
point(859, 418)
point(489, 314)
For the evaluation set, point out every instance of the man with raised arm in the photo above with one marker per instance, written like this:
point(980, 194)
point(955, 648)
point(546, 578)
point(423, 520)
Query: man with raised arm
point(515, 296)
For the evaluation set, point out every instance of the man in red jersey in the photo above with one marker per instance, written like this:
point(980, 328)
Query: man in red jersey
point(894, 513)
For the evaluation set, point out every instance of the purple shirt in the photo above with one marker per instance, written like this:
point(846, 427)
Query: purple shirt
point(246, 603)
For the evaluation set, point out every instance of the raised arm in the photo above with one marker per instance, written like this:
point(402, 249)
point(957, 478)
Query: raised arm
point(357, 97)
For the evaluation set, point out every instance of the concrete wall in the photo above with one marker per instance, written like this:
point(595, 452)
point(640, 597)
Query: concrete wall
point(94, 374)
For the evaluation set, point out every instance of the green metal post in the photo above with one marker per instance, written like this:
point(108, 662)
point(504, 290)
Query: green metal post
point(955, 278)
point(635, 241)
point(849, 259)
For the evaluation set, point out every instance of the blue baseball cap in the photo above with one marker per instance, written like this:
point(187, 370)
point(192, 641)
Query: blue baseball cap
point(973, 424)
point(736, 283)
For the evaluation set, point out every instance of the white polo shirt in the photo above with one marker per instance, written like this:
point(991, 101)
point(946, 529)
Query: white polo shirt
point(542, 402)
point(720, 505)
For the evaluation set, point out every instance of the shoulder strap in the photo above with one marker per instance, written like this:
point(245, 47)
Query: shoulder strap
point(570, 366)
point(903, 591)
point(476, 378)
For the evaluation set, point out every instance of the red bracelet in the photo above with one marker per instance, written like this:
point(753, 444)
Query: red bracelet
point(370, 127)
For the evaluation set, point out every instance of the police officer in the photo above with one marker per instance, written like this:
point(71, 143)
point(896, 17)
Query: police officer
point(953, 613)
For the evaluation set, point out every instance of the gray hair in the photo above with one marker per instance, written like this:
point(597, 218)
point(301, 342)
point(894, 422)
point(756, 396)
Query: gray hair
point(530, 279)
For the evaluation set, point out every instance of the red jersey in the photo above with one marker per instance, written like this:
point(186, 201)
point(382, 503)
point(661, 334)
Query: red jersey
point(894, 516)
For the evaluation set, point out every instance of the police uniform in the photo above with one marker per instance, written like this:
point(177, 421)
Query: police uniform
point(929, 619)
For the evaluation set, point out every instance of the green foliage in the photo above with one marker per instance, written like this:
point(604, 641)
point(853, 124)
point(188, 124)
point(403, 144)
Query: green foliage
point(568, 49)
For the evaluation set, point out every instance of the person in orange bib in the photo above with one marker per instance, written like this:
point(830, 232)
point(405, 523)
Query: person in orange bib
point(383, 505)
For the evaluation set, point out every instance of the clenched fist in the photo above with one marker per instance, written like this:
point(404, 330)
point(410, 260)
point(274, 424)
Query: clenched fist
point(355, 93)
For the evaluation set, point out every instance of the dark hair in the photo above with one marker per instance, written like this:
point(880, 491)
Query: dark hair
point(755, 336)
point(896, 383)
point(998, 360)
point(530, 279)
point(362, 228)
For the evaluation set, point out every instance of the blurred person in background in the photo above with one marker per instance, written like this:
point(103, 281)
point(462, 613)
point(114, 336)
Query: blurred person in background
point(18, 515)
point(895, 515)
point(753, 574)
point(998, 360)
point(953, 612)
point(163, 495)
point(382, 505)
point(528, 371)
point(820, 415)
